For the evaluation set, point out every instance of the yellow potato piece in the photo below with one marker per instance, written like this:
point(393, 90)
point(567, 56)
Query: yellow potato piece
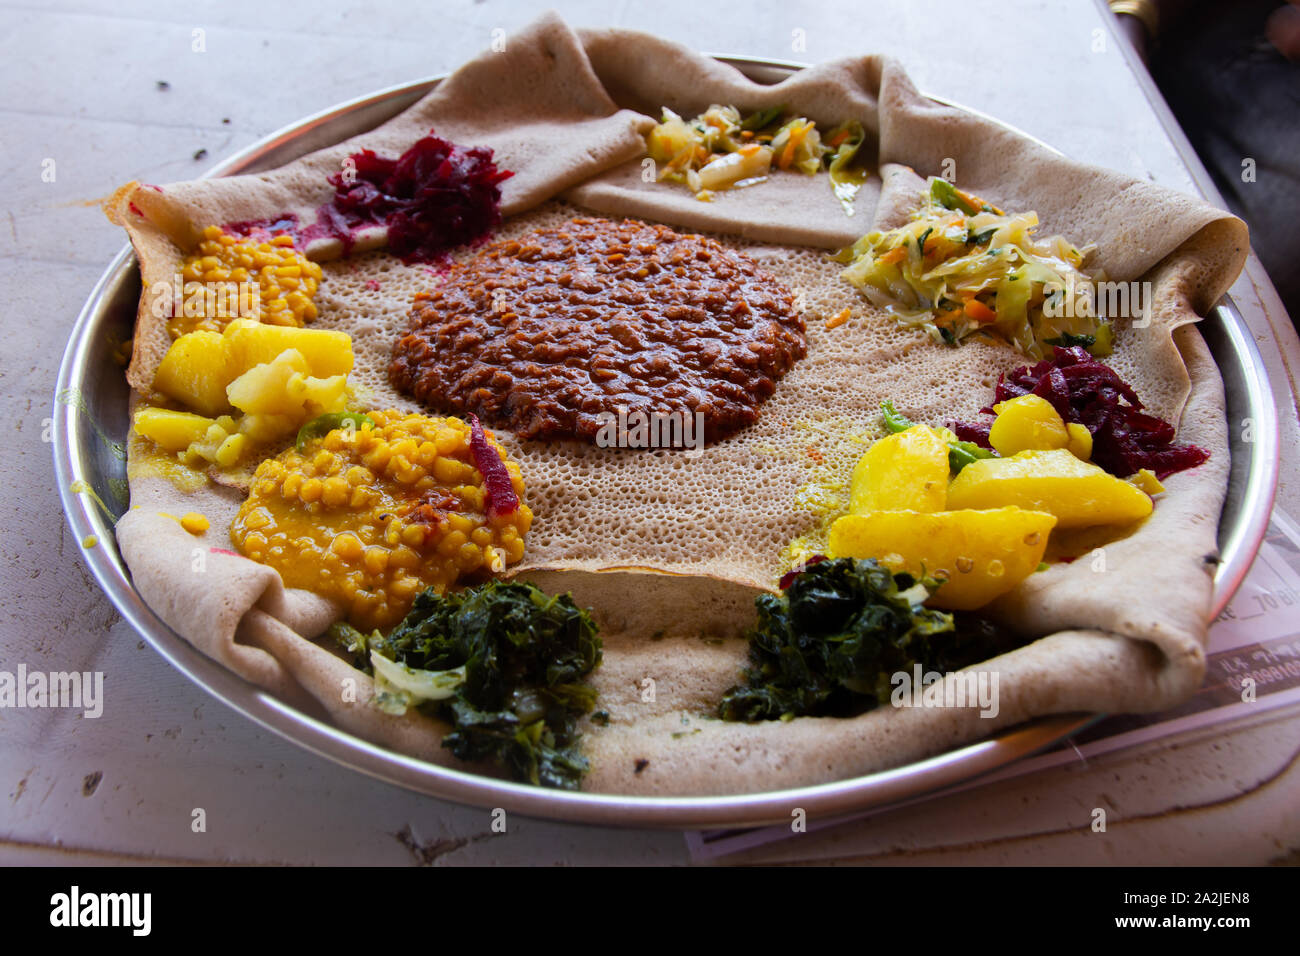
point(262, 427)
point(1080, 445)
point(1027, 422)
point(251, 344)
point(284, 387)
point(907, 471)
point(981, 554)
point(1078, 493)
point(230, 450)
point(208, 448)
point(1146, 480)
point(264, 388)
point(321, 395)
point(196, 371)
point(174, 431)
point(200, 365)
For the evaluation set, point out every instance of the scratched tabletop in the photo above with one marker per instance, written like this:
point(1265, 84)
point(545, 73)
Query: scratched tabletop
point(90, 99)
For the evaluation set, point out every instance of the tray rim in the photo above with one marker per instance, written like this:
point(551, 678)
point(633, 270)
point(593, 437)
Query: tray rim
point(736, 810)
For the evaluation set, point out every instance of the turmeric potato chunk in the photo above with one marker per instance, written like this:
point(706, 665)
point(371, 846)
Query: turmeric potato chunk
point(1080, 445)
point(174, 431)
point(907, 471)
point(980, 555)
point(1027, 422)
point(200, 365)
point(1146, 480)
point(1078, 493)
point(284, 386)
point(196, 371)
point(327, 352)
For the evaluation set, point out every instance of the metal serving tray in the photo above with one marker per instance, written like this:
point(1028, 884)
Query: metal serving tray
point(91, 415)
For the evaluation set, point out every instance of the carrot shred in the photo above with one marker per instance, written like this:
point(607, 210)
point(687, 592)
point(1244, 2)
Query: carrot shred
point(977, 202)
point(838, 320)
point(796, 137)
point(980, 312)
point(897, 254)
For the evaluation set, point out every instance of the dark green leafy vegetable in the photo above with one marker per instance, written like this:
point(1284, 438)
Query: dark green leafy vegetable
point(920, 243)
point(322, 425)
point(960, 453)
point(525, 655)
point(829, 644)
point(355, 643)
point(1099, 344)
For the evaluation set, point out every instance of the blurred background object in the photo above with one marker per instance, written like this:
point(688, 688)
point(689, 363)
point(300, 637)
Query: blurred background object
point(1230, 73)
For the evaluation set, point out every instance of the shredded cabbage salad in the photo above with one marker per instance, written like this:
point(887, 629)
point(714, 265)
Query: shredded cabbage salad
point(720, 149)
point(962, 267)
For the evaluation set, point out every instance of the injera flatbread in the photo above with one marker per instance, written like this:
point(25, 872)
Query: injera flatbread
point(668, 549)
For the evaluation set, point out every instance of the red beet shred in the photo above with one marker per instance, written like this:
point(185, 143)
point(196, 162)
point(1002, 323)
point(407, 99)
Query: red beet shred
point(266, 229)
point(432, 198)
point(1084, 391)
point(787, 579)
point(501, 497)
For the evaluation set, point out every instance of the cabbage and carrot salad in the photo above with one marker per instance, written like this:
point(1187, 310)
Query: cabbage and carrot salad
point(963, 267)
point(720, 149)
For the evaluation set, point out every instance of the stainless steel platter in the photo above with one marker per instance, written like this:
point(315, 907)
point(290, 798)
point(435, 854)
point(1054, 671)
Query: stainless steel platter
point(91, 425)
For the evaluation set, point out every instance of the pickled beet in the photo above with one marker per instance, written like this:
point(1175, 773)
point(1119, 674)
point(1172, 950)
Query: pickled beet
point(432, 198)
point(1084, 391)
point(500, 491)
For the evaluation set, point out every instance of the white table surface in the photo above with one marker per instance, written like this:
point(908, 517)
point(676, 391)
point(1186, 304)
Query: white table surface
point(80, 87)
